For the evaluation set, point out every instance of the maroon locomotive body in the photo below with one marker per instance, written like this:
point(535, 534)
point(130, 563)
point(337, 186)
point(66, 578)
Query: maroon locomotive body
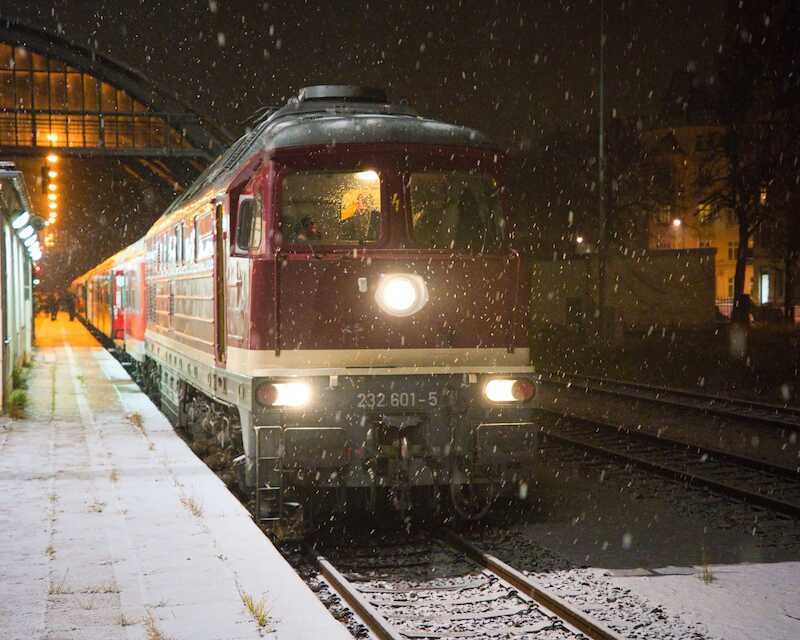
point(337, 302)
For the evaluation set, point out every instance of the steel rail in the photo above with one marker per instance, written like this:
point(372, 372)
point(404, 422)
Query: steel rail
point(583, 622)
point(661, 441)
point(625, 436)
point(783, 416)
point(379, 625)
point(550, 604)
point(706, 397)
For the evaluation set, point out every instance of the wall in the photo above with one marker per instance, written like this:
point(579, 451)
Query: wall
point(15, 307)
point(673, 288)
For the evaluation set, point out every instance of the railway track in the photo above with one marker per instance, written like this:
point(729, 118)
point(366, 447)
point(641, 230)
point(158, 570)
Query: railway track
point(445, 588)
point(753, 481)
point(752, 411)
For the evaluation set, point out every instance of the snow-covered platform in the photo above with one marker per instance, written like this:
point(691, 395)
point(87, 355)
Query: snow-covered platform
point(110, 527)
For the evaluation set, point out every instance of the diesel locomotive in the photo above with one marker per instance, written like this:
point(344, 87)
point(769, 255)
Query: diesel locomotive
point(337, 304)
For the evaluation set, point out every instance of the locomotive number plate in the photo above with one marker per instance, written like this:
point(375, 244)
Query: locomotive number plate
point(397, 400)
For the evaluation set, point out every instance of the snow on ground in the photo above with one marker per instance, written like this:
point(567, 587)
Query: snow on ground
point(111, 528)
point(654, 559)
point(735, 602)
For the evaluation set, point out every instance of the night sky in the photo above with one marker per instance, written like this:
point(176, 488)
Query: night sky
point(515, 70)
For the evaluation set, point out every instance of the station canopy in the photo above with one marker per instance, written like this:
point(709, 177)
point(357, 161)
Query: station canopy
point(55, 95)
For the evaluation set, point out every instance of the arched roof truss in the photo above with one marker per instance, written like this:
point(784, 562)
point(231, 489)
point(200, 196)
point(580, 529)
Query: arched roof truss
point(58, 95)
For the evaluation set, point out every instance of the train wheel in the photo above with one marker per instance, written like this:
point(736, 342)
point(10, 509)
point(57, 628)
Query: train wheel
point(472, 501)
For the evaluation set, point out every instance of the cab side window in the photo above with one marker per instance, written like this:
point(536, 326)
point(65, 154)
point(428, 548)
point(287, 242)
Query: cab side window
point(249, 223)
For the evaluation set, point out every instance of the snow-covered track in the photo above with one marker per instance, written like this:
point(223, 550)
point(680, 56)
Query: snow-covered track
point(779, 415)
point(444, 587)
point(753, 481)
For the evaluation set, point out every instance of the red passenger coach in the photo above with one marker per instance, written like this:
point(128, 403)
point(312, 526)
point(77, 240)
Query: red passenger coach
point(337, 303)
point(111, 298)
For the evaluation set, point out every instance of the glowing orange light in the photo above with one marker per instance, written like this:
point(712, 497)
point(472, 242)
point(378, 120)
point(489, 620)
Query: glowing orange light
point(52, 137)
point(52, 158)
point(51, 196)
point(52, 174)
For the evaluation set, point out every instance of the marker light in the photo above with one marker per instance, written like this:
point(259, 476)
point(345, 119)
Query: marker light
point(284, 394)
point(676, 222)
point(52, 158)
point(401, 294)
point(51, 187)
point(29, 241)
point(52, 205)
point(51, 197)
point(503, 390)
point(26, 232)
point(21, 220)
point(52, 174)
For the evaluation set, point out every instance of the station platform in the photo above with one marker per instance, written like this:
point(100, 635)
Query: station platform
point(110, 527)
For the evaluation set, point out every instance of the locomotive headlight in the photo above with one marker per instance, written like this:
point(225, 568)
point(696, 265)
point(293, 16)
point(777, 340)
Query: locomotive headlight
point(401, 294)
point(284, 394)
point(504, 390)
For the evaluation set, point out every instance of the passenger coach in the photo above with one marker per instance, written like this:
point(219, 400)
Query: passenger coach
point(338, 299)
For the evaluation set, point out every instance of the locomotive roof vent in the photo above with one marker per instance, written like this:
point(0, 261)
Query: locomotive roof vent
point(342, 93)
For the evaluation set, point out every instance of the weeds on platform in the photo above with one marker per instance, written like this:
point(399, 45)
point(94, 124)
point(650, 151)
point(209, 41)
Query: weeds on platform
point(108, 587)
point(19, 378)
point(706, 573)
point(257, 608)
point(125, 621)
point(59, 588)
point(136, 420)
point(153, 632)
point(50, 552)
point(17, 403)
point(193, 506)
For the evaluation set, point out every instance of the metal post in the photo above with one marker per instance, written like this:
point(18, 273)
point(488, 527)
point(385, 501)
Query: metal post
point(602, 249)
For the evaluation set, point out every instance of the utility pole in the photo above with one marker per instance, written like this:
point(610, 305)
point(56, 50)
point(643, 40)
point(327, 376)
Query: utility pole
point(602, 248)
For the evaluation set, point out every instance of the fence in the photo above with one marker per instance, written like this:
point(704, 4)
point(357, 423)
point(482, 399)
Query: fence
point(772, 312)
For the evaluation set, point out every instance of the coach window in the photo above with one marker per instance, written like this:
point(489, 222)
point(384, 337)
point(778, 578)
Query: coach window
point(204, 236)
point(187, 231)
point(249, 224)
point(179, 257)
point(331, 207)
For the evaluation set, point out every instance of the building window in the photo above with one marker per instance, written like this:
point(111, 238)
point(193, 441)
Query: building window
point(733, 249)
point(730, 287)
point(763, 288)
point(664, 214)
point(705, 244)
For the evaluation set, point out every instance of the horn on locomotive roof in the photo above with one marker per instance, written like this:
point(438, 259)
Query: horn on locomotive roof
point(342, 92)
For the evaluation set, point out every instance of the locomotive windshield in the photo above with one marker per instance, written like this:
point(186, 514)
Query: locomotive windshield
point(459, 211)
point(331, 207)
